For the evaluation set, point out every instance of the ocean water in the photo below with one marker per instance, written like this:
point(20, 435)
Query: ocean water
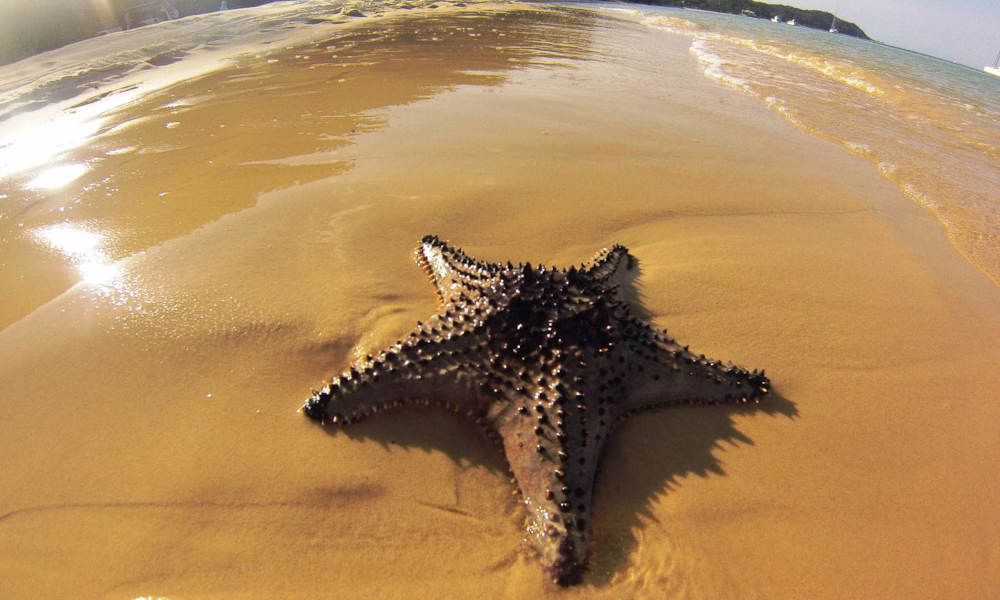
point(53, 102)
point(930, 126)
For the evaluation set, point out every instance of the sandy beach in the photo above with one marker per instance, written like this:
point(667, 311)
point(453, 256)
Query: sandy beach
point(250, 233)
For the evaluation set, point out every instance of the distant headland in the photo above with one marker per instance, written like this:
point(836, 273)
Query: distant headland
point(816, 19)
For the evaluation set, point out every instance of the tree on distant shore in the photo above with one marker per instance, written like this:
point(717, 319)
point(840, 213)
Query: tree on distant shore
point(816, 19)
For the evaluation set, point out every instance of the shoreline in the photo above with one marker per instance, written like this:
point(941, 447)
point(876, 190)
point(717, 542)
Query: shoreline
point(60, 137)
point(967, 222)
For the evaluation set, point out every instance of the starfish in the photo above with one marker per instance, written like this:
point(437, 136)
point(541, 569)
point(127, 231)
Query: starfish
point(546, 359)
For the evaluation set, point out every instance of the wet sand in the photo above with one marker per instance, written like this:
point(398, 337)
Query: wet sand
point(149, 426)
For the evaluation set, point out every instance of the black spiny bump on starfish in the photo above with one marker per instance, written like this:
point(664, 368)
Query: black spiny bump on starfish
point(512, 342)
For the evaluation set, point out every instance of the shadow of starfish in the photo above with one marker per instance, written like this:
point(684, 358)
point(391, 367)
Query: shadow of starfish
point(649, 457)
point(674, 443)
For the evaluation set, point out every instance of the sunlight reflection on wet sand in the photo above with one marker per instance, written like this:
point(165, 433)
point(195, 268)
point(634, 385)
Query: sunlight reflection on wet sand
point(84, 248)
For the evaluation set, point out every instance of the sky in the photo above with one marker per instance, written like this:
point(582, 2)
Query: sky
point(964, 31)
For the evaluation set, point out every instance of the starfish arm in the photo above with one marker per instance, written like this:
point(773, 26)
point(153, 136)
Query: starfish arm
point(454, 274)
point(443, 369)
point(663, 373)
point(553, 449)
point(611, 266)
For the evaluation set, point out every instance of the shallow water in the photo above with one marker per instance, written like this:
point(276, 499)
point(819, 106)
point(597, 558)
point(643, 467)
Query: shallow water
point(238, 237)
point(930, 126)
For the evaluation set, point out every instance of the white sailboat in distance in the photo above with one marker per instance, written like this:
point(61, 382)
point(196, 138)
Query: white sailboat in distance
point(995, 69)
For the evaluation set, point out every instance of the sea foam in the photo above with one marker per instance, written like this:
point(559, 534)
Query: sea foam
point(928, 126)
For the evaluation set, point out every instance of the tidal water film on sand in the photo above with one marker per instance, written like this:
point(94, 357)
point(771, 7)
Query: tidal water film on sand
point(202, 220)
